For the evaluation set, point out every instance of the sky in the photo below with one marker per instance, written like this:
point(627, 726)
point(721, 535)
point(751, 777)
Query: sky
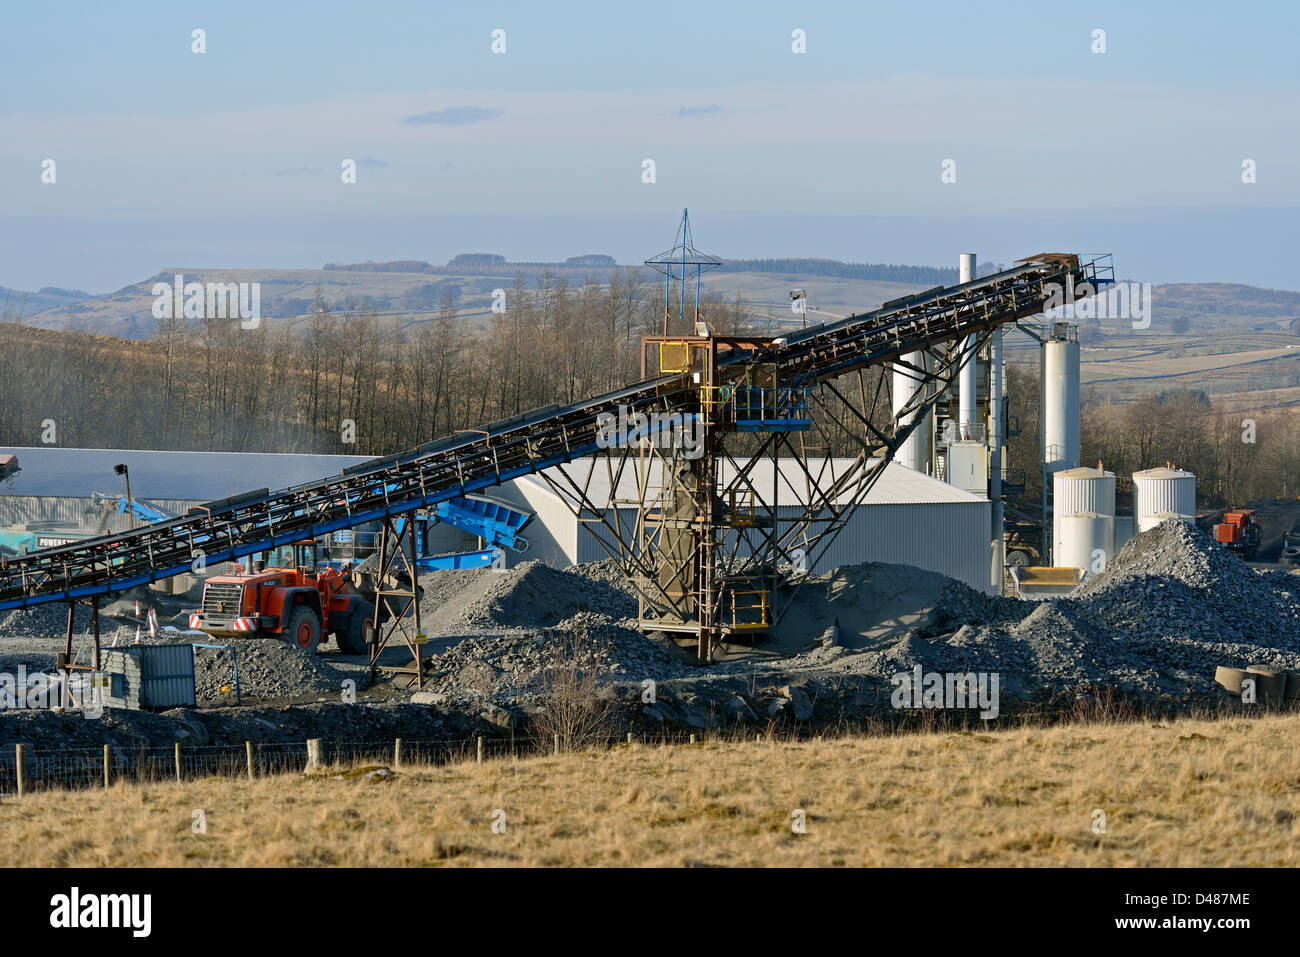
point(234, 157)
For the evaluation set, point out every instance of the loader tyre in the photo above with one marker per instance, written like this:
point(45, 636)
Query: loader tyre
point(302, 630)
point(1018, 559)
point(354, 639)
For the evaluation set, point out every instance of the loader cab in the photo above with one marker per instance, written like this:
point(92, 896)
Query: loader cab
point(296, 555)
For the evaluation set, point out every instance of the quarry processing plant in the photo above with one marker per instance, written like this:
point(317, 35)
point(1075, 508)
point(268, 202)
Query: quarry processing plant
point(710, 558)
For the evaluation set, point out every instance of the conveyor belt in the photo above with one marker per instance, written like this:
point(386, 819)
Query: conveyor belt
point(524, 444)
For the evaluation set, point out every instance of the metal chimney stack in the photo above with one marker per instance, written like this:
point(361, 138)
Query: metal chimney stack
point(966, 417)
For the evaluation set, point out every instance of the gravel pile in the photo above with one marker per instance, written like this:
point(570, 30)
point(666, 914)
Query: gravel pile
point(41, 621)
point(607, 572)
point(1170, 607)
point(1173, 582)
point(517, 664)
point(959, 605)
point(529, 595)
point(269, 669)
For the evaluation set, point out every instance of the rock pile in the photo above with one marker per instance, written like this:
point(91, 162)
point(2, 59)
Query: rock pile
point(529, 595)
point(1170, 607)
point(42, 621)
point(1173, 583)
point(269, 669)
point(516, 664)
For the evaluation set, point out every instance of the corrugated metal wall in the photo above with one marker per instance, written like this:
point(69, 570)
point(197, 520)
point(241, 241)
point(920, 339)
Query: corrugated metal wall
point(74, 512)
point(552, 534)
point(590, 550)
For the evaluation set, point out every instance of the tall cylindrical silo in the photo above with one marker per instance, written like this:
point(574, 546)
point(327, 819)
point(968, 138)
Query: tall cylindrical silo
point(915, 452)
point(1059, 382)
point(1083, 519)
point(966, 381)
point(1163, 493)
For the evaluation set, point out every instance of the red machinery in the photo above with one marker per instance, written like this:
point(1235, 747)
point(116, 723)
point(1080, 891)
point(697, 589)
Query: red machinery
point(1239, 532)
point(297, 602)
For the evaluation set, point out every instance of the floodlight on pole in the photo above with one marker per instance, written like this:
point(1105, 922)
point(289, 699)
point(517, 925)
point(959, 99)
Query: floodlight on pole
point(123, 471)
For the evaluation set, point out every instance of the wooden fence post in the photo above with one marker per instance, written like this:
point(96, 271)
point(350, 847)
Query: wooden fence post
point(480, 749)
point(177, 758)
point(313, 754)
point(248, 756)
point(106, 766)
point(397, 753)
point(20, 767)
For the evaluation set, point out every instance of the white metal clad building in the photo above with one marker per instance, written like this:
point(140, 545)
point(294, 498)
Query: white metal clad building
point(55, 484)
point(907, 518)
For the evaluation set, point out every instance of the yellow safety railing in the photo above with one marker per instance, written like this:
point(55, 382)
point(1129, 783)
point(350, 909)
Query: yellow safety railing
point(714, 400)
point(742, 509)
point(759, 605)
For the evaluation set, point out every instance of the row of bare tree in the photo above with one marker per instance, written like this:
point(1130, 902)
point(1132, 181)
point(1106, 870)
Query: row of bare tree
point(342, 381)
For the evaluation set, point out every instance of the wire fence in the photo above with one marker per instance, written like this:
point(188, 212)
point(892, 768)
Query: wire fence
point(52, 768)
point(45, 769)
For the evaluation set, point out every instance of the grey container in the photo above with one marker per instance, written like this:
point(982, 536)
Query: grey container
point(151, 677)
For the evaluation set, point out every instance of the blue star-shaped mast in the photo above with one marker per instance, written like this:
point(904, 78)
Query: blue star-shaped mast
point(679, 263)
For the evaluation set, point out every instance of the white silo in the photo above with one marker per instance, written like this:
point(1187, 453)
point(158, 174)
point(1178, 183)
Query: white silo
point(1059, 388)
point(915, 452)
point(1084, 490)
point(969, 428)
point(1163, 493)
point(1083, 520)
point(1084, 540)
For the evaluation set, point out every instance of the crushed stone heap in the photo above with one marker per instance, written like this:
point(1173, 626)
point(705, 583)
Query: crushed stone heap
point(529, 595)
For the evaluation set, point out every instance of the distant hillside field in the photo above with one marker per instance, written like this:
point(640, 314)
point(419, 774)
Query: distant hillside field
point(1227, 339)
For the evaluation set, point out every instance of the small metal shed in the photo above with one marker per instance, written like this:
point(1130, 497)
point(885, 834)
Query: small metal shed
point(150, 677)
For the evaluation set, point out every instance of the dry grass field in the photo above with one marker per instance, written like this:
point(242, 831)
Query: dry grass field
point(1215, 793)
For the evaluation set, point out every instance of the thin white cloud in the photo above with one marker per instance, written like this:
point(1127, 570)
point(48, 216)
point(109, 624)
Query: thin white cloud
point(452, 116)
point(686, 111)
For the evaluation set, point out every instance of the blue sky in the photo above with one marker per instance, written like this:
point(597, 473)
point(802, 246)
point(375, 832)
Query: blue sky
point(232, 158)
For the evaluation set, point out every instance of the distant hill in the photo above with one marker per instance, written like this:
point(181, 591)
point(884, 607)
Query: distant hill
point(412, 291)
point(14, 302)
point(921, 275)
point(1206, 302)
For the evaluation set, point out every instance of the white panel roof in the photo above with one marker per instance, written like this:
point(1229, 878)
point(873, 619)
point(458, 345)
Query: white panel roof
point(897, 486)
point(189, 476)
point(206, 476)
